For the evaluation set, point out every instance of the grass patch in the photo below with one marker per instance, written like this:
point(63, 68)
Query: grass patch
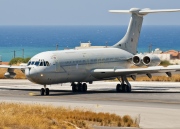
point(174, 78)
point(24, 116)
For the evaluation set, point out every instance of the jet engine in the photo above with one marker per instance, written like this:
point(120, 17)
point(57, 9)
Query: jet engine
point(151, 60)
point(137, 60)
point(9, 75)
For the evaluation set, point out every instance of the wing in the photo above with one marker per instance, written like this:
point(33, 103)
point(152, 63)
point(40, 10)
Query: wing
point(105, 73)
point(13, 67)
point(10, 70)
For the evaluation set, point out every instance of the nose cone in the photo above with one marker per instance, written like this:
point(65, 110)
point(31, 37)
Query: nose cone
point(31, 74)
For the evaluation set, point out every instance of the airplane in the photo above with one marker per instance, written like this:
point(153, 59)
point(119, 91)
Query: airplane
point(80, 67)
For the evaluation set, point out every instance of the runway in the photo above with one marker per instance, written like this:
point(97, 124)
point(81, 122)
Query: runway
point(155, 104)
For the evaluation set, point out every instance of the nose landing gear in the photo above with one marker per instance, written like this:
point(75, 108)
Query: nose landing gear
point(44, 91)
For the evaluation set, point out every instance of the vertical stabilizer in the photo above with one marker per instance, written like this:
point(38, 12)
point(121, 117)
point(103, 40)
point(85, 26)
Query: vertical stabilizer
point(130, 40)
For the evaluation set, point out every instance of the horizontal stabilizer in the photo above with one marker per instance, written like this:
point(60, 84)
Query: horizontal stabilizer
point(144, 11)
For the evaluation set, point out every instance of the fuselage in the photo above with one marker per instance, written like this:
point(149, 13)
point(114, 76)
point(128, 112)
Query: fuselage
point(63, 66)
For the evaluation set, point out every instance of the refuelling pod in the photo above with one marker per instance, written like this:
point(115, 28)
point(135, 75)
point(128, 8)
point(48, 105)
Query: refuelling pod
point(137, 60)
point(151, 60)
point(9, 75)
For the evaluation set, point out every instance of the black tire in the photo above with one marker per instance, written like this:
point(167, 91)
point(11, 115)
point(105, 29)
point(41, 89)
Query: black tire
point(42, 91)
point(129, 89)
point(118, 87)
point(47, 91)
point(80, 88)
point(74, 88)
point(84, 87)
point(124, 88)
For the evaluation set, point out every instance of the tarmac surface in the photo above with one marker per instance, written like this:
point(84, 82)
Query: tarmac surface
point(154, 104)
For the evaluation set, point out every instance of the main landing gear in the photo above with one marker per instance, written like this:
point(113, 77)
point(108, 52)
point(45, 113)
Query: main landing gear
point(79, 87)
point(124, 88)
point(44, 91)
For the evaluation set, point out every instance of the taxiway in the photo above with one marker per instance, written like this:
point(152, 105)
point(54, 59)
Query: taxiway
point(155, 104)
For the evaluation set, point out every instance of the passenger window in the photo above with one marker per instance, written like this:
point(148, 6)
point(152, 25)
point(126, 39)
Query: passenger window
point(37, 63)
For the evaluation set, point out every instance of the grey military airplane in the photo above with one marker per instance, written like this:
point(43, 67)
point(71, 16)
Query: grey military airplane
point(80, 67)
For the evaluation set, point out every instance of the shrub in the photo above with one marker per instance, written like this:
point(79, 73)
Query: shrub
point(19, 60)
point(165, 63)
point(26, 59)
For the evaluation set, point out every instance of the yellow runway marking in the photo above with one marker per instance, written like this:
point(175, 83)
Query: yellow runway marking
point(32, 94)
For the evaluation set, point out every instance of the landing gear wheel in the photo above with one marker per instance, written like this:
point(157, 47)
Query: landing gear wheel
point(129, 89)
point(125, 88)
point(74, 88)
point(79, 87)
point(84, 87)
point(47, 91)
point(118, 88)
point(42, 91)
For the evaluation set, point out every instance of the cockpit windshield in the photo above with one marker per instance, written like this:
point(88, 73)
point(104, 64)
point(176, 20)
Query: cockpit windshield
point(47, 63)
point(38, 63)
point(32, 63)
point(41, 63)
point(29, 63)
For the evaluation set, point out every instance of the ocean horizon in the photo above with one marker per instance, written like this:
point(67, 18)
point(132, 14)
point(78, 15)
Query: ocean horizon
point(35, 39)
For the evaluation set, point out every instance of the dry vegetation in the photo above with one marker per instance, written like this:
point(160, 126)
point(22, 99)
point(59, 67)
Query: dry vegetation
point(19, 74)
point(174, 78)
point(23, 116)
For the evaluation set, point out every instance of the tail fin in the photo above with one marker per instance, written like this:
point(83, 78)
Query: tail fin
point(130, 40)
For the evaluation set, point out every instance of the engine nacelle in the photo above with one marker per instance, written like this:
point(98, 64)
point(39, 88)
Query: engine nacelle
point(151, 60)
point(9, 75)
point(137, 60)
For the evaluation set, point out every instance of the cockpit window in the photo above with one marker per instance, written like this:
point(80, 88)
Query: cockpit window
point(32, 63)
point(47, 63)
point(41, 64)
point(44, 63)
point(29, 63)
point(37, 63)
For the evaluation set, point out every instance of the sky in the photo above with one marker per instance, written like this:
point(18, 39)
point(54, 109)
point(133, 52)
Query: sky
point(83, 12)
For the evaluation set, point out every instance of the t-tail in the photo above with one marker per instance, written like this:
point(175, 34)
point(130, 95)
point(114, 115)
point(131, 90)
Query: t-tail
point(130, 40)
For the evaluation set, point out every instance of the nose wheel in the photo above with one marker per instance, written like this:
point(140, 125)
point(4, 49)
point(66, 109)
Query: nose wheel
point(44, 91)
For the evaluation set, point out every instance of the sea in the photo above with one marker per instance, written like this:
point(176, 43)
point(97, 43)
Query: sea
point(26, 41)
